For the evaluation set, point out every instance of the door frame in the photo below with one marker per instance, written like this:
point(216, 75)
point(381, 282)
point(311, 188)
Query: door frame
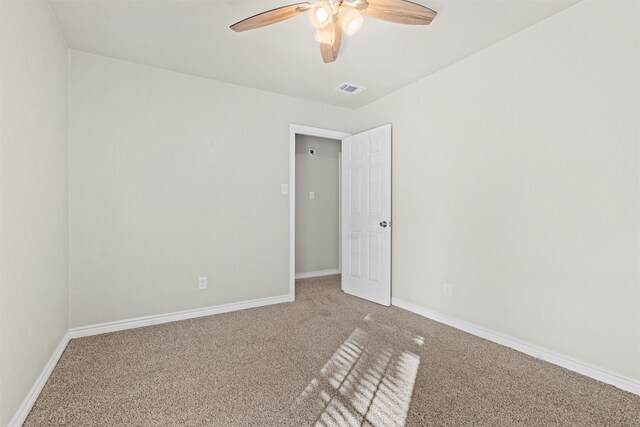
point(294, 130)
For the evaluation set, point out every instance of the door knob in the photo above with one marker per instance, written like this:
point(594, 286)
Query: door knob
point(384, 224)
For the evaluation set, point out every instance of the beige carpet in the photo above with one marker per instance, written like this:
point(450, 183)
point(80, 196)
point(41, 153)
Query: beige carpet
point(327, 359)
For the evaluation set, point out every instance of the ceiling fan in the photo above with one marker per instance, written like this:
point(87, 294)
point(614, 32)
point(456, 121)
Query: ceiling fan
point(331, 17)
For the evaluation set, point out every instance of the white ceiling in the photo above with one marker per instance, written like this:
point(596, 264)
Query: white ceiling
point(194, 37)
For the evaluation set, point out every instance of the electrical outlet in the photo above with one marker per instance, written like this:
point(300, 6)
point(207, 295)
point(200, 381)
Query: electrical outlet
point(312, 195)
point(202, 283)
point(446, 289)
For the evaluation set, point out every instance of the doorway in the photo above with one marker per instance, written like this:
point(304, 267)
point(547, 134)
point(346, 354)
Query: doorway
point(312, 250)
point(317, 206)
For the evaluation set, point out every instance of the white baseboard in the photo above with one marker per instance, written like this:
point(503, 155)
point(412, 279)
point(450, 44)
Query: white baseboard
point(620, 381)
point(24, 409)
point(317, 273)
point(121, 325)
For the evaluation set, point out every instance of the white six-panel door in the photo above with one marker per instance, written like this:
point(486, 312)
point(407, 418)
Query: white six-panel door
point(366, 215)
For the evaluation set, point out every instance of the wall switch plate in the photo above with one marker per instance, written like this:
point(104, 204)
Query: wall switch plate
point(284, 189)
point(312, 195)
point(446, 289)
point(202, 283)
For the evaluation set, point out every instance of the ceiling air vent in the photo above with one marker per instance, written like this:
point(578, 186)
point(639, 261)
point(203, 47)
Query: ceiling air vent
point(349, 88)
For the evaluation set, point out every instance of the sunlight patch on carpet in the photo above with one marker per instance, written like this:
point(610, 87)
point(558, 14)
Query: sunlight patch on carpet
point(365, 382)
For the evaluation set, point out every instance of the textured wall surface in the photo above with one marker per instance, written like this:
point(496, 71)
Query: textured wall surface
point(516, 179)
point(175, 177)
point(33, 196)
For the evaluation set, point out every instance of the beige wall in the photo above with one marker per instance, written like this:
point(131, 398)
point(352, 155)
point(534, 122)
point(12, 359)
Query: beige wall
point(516, 180)
point(175, 177)
point(317, 220)
point(33, 197)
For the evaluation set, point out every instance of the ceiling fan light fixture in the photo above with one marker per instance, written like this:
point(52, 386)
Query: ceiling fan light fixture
point(320, 14)
point(350, 20)
point(331, 18)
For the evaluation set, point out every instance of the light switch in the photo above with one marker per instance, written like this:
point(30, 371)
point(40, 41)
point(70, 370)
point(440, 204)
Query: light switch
point(312, 195)
point(284, 189)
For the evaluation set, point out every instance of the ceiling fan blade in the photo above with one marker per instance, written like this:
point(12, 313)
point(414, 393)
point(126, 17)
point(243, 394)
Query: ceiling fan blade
point(272, 16)
point(400, 12)
point(330, 38)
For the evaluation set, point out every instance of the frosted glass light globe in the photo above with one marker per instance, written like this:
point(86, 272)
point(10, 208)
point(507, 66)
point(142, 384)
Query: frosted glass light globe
point(320, 15)
point(350, 20)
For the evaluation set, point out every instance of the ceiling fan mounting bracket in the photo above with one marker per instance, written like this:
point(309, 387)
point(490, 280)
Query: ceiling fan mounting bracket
point(356, 4)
